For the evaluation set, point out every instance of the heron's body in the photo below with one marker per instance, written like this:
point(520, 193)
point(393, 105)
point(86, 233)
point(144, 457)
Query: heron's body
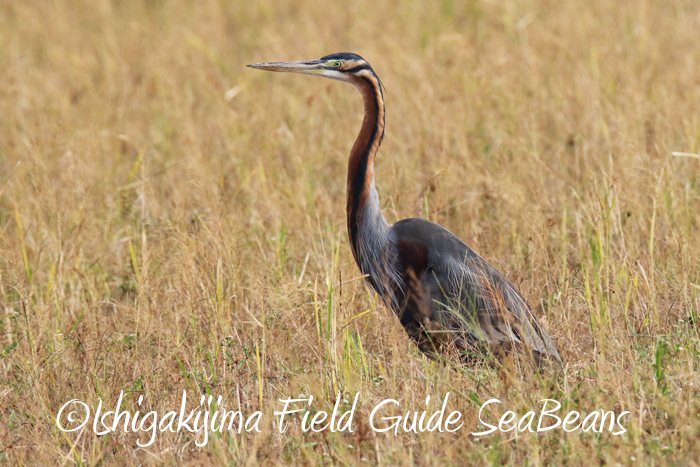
point(444, 293)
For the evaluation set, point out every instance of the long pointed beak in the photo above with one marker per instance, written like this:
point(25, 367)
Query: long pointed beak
point(307, 67)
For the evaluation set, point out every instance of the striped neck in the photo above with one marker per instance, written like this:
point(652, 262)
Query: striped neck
point(367, 228)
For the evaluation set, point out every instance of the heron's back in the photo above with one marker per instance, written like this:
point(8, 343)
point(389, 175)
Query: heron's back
point(451, 288)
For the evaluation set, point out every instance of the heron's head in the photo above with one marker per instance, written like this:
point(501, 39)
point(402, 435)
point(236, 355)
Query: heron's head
point(340, 66)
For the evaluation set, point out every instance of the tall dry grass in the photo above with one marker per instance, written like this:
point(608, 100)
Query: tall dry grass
point(159, 202)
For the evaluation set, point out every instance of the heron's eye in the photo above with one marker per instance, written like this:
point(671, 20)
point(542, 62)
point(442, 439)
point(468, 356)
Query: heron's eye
point(337, 64)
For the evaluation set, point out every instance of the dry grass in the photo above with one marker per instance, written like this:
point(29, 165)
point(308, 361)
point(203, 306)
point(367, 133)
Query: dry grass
point(159, 202)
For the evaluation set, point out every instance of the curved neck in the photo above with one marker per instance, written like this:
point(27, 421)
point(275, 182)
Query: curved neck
point(366, 224)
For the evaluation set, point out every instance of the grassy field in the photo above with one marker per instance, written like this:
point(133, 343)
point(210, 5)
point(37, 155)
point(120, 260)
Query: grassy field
point(171, 220)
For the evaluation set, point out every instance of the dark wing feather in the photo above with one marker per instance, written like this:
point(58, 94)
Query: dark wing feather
point(450, 285)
